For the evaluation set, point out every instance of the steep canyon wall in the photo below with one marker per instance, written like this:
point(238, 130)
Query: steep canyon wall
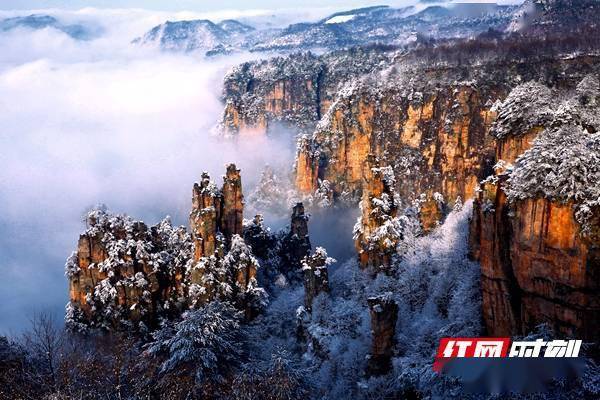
point(432, 126)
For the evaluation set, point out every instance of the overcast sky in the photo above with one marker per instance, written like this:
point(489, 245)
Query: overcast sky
point(193, 5)
point(207, 5)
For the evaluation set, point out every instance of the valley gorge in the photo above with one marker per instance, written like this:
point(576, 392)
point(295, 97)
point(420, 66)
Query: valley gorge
point(433, 126)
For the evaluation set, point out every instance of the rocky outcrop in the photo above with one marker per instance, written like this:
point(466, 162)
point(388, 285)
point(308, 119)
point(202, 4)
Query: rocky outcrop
point(436, 144)
point(232, 217)
point(257, 103)
point(216, 211)
point(205, 214)
point(126, 275)
point(384, 315)
point(535, 222)
point(288, 93)
point(431, 127)
point(316, 277)
point(374, 236)
point(430, 124)
point(296, 244)
point(242, 267)
point(429, 121)
point(536, 267)
point(222, 266)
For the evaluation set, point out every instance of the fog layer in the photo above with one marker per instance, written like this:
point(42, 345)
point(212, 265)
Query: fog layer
point(83, 123)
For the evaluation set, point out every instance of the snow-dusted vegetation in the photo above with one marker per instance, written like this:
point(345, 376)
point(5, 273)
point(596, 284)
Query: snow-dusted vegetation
point(158, 252)
point(436, 288)
point(562, 165)
point(563, 162)
point(231, 309)
point(527, 106)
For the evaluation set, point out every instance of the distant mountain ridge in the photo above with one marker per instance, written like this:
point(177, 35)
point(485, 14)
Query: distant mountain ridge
point(195, 35)
point(37, 21)
point(377, 24)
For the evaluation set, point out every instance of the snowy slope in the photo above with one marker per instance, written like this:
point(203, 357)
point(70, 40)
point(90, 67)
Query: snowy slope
point(363, 26)
point(195, 35)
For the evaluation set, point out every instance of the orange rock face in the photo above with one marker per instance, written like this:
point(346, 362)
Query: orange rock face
point(204, 217)
point(306, 179)
point(378, 207)
point(216, 216)
point(536, 267)
point(215, 210)
point(438, 145)
point(89, 252)
point(232, 215)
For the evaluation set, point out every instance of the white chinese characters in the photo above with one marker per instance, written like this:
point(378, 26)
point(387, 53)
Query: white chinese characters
point(554, 348)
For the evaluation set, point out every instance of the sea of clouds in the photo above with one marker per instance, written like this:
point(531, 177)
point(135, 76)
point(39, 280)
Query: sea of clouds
point(103, 121)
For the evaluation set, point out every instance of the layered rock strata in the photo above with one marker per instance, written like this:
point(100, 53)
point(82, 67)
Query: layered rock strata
point(535, 223)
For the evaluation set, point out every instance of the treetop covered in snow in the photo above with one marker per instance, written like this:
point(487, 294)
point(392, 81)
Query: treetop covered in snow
point(527, 106)
point(563, 163)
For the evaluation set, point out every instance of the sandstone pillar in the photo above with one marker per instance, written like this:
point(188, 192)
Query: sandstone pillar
point(384, 315)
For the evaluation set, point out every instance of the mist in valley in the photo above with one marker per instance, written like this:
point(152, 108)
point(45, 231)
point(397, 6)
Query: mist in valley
point(105, 122)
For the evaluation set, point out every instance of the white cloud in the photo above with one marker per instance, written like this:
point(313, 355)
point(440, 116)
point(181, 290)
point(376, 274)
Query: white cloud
point(99, 121)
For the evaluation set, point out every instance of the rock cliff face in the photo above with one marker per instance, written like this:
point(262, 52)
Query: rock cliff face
point(431, 125)
point(534, 228)
point(384, 315)
point(430, 128)
point(206, 209)
point(286, 93)
point(126, 275)
point(216, 211)
point(434, 143)
point(216, 228)
point(233, 203)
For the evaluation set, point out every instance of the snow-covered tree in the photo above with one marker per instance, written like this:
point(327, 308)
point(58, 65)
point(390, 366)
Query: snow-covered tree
point(209, 279)
point(259, 237)
point(281, 377)
point(562, 165)
point(527, 106)
point(205, 345)
point(242, 267)
point(128, 261)
point(272, 194)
